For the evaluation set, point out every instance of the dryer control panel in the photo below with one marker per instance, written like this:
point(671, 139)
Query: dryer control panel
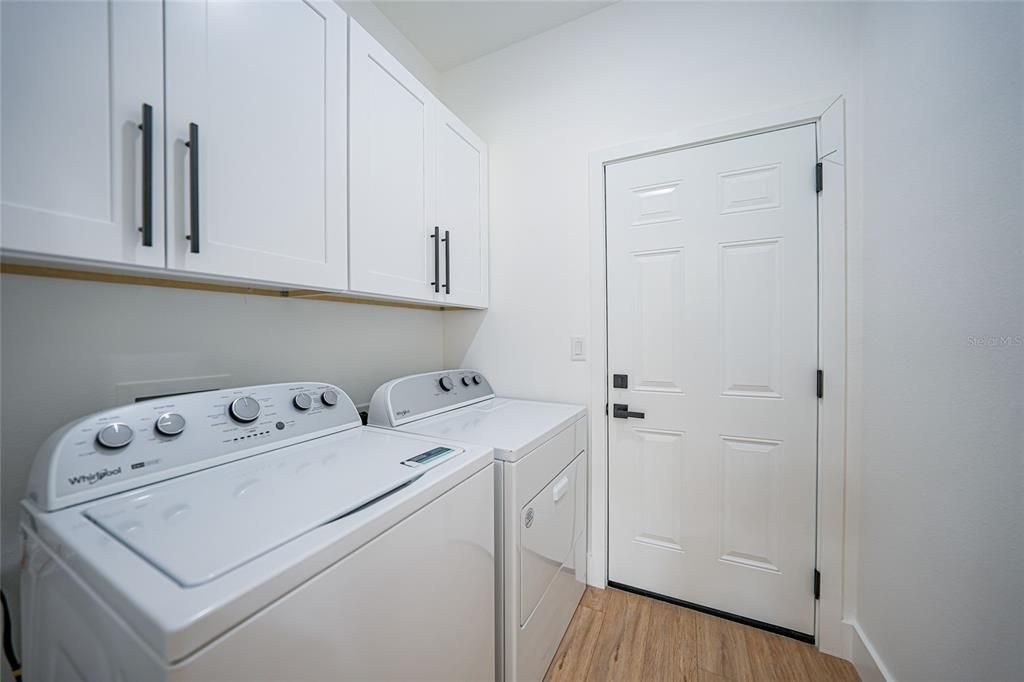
point(422, 395)
point(153, 440)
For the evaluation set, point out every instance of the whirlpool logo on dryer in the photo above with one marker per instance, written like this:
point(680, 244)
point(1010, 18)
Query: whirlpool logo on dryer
point(94, 477)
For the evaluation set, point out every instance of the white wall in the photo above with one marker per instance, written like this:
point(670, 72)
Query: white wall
point(65, 345)
point(941, 557)
point(630, 71)
point(935, 447)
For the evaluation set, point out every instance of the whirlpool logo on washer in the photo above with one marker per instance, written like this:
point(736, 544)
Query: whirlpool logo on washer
point(94, 477)
point(529, 517)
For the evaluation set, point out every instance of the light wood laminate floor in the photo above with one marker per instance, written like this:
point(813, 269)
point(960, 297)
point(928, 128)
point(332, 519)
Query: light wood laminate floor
point(621, 636)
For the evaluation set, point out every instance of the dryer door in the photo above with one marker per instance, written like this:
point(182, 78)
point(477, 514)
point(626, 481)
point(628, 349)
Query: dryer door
point(549, 523)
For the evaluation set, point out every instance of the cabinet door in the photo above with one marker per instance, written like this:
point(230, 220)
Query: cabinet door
point(391, 175)
point(259, 191)
point(76, 77)
point(462, 210)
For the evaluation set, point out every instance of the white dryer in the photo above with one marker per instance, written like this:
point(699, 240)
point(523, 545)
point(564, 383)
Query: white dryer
point(540, 498)
point(259, 533)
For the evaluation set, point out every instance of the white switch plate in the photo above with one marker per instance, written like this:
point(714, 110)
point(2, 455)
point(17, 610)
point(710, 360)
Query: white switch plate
point(577, 348)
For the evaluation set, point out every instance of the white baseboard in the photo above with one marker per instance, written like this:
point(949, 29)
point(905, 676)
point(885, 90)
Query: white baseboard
point(865, 657)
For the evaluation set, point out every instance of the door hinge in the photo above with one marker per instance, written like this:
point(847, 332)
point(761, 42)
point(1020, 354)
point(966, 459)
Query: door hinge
point(819, 177)
point(817, 584)
point(821, 383)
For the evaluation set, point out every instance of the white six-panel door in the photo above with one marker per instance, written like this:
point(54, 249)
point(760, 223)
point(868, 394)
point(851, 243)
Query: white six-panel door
point(264, 82)
point(392, 198)
point(462, 210)
point(75, 78)
point(712, 315)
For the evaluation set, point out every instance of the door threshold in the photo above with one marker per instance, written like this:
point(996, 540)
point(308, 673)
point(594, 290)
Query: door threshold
point(743, 620)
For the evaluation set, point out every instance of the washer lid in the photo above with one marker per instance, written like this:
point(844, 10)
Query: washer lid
point(199, 527)
point(512, 427)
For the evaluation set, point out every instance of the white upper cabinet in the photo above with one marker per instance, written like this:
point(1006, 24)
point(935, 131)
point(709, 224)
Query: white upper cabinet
point(271, 142)
point(418, 187)
point(391, 199)
point(256, 128)
point(462, 211)
point(79, 178)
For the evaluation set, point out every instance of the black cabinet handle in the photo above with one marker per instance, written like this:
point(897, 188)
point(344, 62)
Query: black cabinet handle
point(147, 174)
point(447, 262)
point(193, 187)
point(437, 260)
point(622, 412)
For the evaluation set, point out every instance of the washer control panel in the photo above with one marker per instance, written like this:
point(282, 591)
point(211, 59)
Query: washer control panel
point(422, 395)
point(153, 440)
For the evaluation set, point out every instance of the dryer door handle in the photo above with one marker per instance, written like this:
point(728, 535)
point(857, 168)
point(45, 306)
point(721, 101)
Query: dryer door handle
point(561, 488)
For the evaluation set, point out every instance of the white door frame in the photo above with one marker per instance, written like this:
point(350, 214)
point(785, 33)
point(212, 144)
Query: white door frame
point(828, 115)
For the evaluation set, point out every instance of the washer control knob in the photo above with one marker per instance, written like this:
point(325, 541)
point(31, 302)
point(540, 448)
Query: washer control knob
point(245, 409)
point(446, 384)
point(477, 379)
point(170, 424)
point(466, 380)
point(302, 401)
point(329, 398)
point(115, 435)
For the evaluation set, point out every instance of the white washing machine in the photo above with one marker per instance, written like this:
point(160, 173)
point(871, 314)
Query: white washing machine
point(540, 498)
point(260, 533)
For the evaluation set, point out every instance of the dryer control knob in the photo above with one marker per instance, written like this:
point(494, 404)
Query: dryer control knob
point(466, 381)
point(245, 409)
point(477, 379)
point(446, 384)
point(302, 401)
point(329, 398)
point(115, 435)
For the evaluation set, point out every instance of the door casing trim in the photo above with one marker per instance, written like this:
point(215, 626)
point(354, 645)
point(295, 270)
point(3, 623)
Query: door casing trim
point(828, 115)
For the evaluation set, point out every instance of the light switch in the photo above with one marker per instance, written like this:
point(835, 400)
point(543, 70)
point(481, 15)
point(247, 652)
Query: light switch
point(578, 349)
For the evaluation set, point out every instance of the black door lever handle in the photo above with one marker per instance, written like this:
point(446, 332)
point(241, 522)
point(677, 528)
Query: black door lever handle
point(620, 411)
